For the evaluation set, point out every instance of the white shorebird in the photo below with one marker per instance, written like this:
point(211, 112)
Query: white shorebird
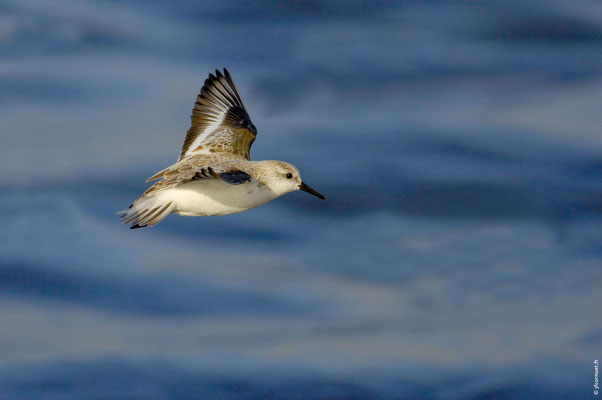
point(214, 174)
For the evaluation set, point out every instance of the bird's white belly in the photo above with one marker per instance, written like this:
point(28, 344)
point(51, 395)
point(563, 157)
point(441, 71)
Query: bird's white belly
point(205, 198)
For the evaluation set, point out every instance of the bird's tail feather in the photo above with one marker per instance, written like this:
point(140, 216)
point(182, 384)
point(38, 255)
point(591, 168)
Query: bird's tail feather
point(146, 211)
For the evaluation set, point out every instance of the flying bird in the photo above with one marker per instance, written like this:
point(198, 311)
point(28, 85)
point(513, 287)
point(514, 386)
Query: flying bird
point(214, 174)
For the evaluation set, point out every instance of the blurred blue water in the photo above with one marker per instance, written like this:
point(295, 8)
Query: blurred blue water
point(457, 256)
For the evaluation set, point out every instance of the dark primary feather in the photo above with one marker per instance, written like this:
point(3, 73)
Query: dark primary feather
point(238, 117)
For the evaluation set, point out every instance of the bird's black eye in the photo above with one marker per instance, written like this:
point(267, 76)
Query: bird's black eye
point(289, 175)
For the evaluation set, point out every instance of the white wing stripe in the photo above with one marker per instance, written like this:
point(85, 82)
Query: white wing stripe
point(208, 131)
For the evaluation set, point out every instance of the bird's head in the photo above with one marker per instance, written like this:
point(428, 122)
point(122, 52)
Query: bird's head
point(284, 178)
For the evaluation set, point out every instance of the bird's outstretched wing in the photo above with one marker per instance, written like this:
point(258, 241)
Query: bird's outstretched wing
point(219, 121)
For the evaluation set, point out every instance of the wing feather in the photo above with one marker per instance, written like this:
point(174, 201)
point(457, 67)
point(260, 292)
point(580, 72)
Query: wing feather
point(199, 168)
point(219, 121)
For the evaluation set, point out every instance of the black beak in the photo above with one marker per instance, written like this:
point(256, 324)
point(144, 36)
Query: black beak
point(309, 190)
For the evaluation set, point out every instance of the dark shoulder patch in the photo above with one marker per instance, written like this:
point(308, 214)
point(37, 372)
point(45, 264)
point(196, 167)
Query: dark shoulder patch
point(235, 177)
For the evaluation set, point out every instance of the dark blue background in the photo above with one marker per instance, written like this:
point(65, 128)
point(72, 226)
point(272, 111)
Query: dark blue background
point(458, 253)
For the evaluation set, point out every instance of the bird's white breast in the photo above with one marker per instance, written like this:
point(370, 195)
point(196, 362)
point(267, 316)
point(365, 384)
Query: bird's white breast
point(212, 197)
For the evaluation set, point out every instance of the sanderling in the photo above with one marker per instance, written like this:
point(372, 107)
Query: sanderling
point(214, 174)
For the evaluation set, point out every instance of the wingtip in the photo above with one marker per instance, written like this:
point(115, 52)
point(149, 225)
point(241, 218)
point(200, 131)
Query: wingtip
point(123, 212)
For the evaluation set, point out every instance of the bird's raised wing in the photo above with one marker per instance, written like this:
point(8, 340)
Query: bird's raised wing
point(219, 121)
